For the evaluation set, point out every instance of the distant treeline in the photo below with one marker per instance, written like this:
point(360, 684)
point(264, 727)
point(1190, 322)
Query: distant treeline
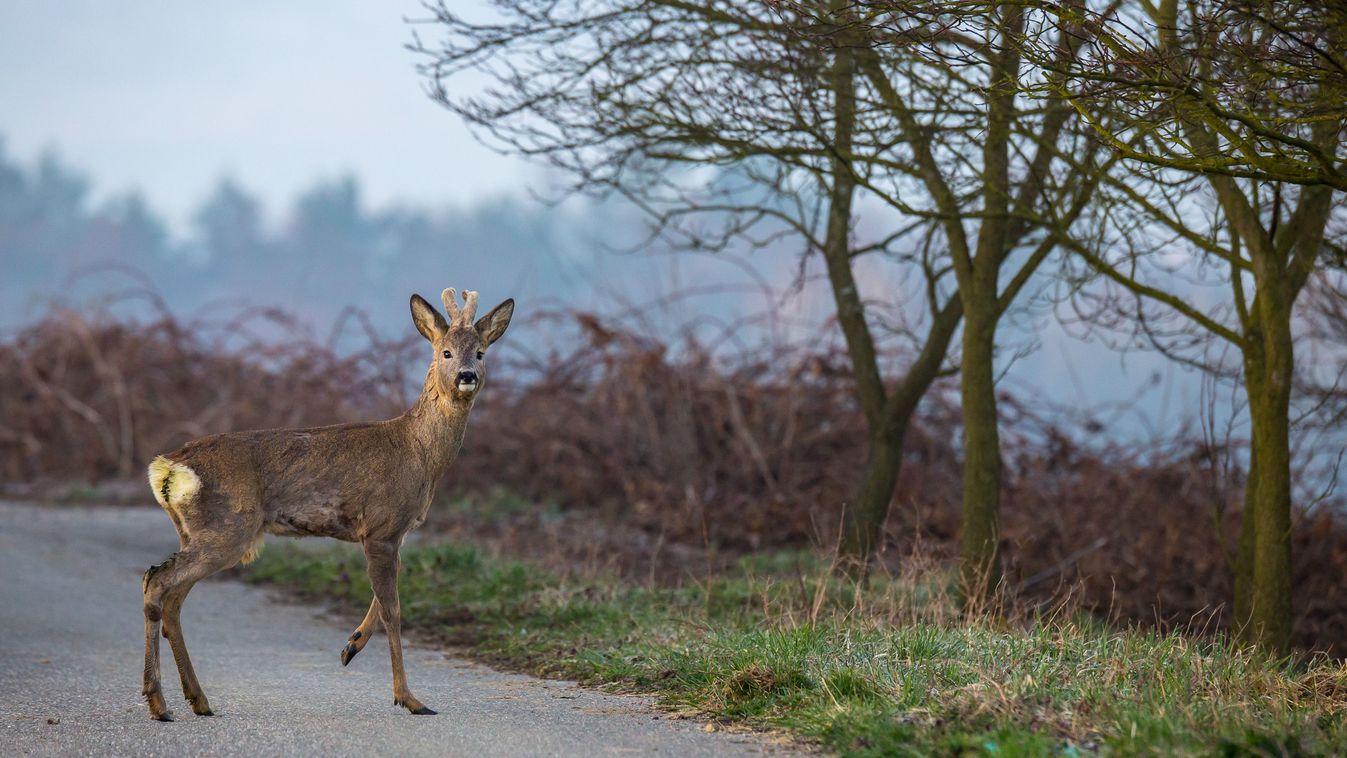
point(326, 252)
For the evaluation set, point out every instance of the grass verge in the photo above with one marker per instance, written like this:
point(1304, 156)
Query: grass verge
point(890, 670)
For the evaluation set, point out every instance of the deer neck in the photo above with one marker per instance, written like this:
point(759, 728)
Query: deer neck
point(436, 425)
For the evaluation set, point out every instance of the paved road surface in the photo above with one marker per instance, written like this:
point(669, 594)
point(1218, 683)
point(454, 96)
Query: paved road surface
point(71, 652)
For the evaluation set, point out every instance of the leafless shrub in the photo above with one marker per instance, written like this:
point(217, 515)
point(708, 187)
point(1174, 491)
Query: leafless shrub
point(667, 460)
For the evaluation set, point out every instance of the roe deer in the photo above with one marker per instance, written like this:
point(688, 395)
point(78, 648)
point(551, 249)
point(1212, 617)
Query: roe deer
point(370, 483)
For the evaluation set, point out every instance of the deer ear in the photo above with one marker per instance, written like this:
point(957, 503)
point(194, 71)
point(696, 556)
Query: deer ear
point(428, 321)
point(492, 325)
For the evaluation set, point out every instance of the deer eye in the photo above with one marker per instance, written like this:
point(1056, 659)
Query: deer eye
point(480, 355)
point(448, 354)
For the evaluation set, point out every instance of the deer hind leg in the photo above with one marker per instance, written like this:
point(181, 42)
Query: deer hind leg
point(360, 637)
point(154, 616)
point(166, 586)
point(191, 688)
point(182, 545)
point(382, 559)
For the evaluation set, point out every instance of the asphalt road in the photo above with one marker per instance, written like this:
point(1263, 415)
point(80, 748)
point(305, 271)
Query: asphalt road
point(71, 642)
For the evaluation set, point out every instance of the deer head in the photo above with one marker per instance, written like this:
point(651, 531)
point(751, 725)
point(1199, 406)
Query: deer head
point(458, 369)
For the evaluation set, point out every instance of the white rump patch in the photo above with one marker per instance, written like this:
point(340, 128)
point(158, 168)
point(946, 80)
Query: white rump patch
point(173, 483)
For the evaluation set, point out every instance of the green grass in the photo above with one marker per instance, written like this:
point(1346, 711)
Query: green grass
point(891, 670)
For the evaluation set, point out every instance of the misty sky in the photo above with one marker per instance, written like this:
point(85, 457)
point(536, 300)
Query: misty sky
point(168, 97)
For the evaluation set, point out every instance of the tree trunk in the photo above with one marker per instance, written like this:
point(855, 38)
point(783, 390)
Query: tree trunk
point(863, 522)
point(980, 569)
point(1269, 592)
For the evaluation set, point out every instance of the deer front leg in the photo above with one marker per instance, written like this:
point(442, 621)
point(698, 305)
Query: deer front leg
point(360, 637)
point(382, 560)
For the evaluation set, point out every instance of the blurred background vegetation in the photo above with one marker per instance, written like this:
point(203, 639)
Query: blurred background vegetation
point(747, 271)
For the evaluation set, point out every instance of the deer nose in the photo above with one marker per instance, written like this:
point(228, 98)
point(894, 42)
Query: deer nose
point(467, 377)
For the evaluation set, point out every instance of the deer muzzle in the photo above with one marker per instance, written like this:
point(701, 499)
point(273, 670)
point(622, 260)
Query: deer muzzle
point(467, 381)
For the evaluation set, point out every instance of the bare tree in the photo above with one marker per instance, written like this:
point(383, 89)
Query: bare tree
point(1231, 115)
point(825, 107)
point(1001, 177)
point(632, 97)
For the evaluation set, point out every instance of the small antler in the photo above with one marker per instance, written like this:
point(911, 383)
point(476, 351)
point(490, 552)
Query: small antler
point(469, 307)
point(458, 315)
point(450, 298)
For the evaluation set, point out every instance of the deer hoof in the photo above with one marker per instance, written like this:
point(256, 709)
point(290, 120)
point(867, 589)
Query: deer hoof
point(165, 716)
point(423, 711)
point(348, 652)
